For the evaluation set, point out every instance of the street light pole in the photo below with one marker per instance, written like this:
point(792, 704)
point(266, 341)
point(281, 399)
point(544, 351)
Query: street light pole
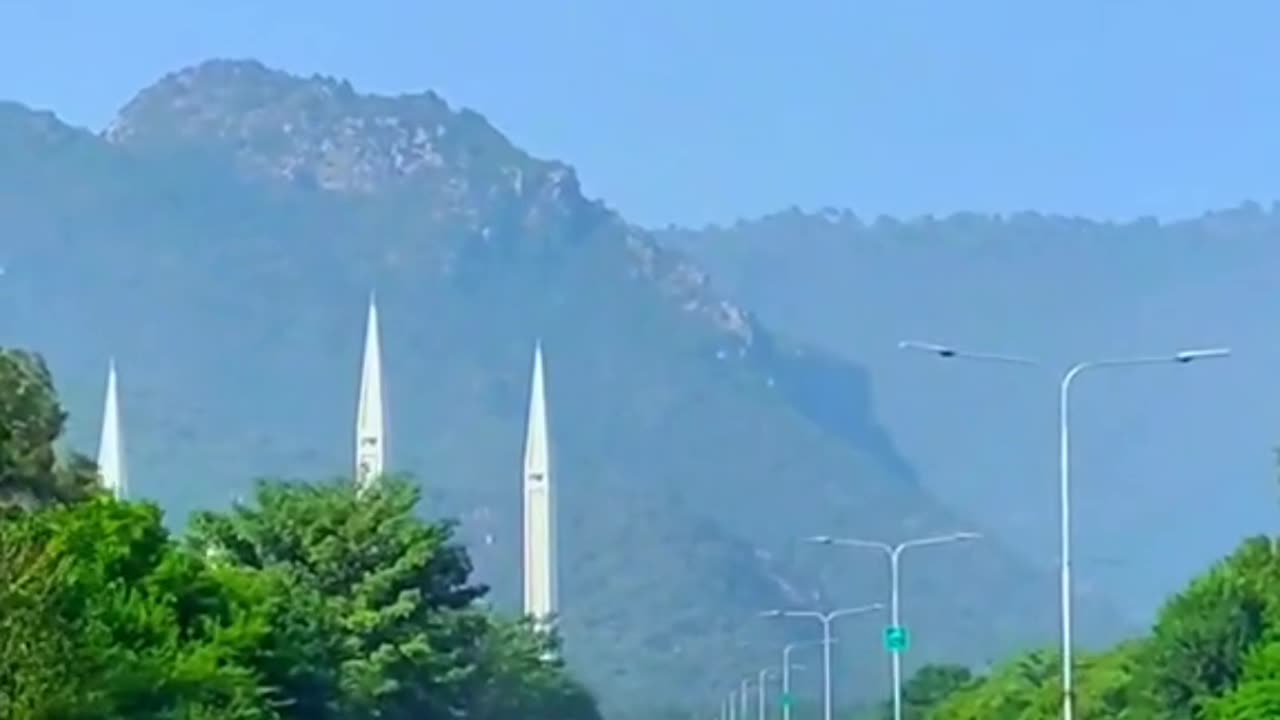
point(894, 554)
point(826, 619)
point(1064, 474)
point(786, 673)
point(746, 683)
point(764, 674)
point(826, 667)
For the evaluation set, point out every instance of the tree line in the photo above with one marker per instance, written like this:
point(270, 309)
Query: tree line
point(305, 603)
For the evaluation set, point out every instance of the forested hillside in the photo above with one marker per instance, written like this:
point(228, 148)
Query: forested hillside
point(1172, 463)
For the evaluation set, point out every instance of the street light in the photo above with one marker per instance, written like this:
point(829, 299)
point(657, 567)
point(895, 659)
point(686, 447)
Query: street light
point(786, 672)
point(760, 699)
point(1064, 460)
point(894, 553)
point(826, 619)
point(732, 702)
point(762, 686)
point(746, 683)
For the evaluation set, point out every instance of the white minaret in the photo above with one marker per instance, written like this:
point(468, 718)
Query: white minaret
point(111, 444)
point(540, 591)
point(370, 413)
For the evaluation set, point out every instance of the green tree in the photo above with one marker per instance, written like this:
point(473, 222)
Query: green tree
point(1022, 689)
point(1029, 688)
point(102, 616)
point(1203, 637)
point(1107, 685)
point(31, 421)
point(33, 645)
point(314, 604)
point(522, 676)
point(377, 615)
point(1257, 697)
point(927, 688)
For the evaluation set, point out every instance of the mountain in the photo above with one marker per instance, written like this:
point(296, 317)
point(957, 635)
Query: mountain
point(220, 240)
point(1172, 465)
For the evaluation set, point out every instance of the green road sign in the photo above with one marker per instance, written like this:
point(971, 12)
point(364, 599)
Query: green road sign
point(896, 638)
point(785, 699)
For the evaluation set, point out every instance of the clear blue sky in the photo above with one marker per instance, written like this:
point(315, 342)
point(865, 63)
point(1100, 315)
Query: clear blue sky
point(695, 111)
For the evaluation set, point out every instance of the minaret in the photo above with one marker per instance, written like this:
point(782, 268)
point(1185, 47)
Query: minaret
point(111, 445)
point(370, 413)
point(540, 589)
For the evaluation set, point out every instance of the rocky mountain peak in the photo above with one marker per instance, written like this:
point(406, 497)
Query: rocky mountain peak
point(320, 131)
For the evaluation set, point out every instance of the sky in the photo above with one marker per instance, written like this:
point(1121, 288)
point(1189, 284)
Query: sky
point(688, 112)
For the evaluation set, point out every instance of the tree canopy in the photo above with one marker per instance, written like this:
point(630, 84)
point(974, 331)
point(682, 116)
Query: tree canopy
point(103, 616)
point(310, 604)
point(31, 422)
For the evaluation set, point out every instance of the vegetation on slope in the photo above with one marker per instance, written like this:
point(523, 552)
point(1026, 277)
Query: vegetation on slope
point(30, 421)
point(1060, 289)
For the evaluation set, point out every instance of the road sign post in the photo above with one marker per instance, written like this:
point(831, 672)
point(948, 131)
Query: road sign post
point(896, 639)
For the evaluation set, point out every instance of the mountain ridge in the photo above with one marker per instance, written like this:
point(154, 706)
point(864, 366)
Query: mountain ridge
point(849, 219)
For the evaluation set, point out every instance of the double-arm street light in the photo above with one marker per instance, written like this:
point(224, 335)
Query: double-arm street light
point(826, 619)
point(894, 554)
point(1064, 460)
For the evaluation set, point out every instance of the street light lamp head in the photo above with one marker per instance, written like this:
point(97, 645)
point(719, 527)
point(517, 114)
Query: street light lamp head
point(939, 350)
point(1187, 356)
point(771, 614)
point(947, 352)
point(967, 536)
point(821, 539)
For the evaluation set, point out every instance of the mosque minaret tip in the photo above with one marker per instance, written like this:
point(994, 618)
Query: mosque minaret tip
point(111, 464)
